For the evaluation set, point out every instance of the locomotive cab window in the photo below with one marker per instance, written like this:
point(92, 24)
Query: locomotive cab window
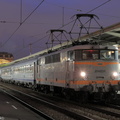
point(107, 54)
point(90, 54)
point(78, 54)
point(70, 55)
point(98, 54)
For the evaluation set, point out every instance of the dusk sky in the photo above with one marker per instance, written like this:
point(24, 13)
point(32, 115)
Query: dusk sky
point(16, 38)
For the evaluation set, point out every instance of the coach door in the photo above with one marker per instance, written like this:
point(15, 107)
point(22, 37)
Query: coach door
point(69, 67)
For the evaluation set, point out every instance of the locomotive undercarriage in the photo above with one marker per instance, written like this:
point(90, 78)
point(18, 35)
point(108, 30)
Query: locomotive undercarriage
point(71, 94)
point(85, 94)
point(101, 92)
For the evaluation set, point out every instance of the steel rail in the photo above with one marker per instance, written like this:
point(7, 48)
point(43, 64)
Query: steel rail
point(51, 105)
point(30, 107)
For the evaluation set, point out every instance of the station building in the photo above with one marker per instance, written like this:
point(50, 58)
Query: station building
point(6, 57)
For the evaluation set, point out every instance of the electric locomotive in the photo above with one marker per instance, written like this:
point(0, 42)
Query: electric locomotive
point(81, 70)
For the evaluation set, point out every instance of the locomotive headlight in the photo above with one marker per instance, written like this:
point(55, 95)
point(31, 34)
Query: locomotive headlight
point(83, 74)
point(115, 74)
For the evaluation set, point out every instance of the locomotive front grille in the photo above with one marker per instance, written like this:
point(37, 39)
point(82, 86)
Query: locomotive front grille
point(99, 77)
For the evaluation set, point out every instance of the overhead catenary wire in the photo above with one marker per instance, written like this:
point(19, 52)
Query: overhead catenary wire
point(99, 6)
point(63, 25)
point(73, 20)
point(63, 6)
point(89, 11)
point(21, 11)
point(29, 44)
point(10, 36)
point(33, 11)
point(21, 23)
point(80, 10)
point(3, 21)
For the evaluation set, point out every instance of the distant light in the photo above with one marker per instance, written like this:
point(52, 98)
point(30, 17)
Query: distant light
point(3, 61)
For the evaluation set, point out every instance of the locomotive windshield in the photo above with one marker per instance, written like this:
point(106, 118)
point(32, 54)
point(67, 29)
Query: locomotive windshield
point(90, 54)
point(107, 54)
point(94, 54)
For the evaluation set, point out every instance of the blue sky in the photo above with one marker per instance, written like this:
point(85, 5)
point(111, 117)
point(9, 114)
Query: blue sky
point(48, 16)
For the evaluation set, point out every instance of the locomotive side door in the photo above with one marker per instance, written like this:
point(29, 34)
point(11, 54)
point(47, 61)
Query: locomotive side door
point(69, 67)
point(38, 68)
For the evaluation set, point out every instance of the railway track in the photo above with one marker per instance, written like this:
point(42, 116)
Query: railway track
point(45, 116)
point(64, 109)
point(41, 106)
point(108, 112)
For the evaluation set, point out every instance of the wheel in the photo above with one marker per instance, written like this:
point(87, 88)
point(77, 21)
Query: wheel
point(110, 97)
point(83, 97)
point(67, 94)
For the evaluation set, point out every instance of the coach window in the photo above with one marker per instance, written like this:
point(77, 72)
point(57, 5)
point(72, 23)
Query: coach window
point(29, 68)
point(26, 68)
point(21, 69)
point(70, 55)
point(32, 68)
